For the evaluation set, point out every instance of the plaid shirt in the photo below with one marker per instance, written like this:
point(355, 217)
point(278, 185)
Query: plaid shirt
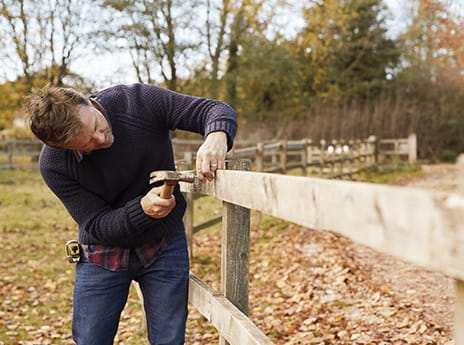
point(117, 258)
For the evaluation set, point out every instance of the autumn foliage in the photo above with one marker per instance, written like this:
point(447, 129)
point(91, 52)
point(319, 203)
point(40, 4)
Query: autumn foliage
point(333, 69)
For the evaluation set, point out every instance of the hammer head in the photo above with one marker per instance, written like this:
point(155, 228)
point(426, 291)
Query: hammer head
point(171, 177)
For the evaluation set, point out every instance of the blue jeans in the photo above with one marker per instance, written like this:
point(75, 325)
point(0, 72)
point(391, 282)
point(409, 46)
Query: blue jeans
point(100, 296)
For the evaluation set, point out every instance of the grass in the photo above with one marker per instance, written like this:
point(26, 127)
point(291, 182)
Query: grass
point(36, 281)
point(391, 173)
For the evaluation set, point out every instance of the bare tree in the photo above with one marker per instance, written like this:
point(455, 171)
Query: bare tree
point(42, 39)
point(159, 35)
point(216, 40)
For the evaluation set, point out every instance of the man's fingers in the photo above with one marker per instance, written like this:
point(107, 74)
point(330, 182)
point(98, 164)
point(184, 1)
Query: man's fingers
point(221, 164)
point(155, 206)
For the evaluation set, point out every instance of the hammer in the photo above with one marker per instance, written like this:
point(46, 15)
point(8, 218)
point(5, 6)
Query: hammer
point(170, 179)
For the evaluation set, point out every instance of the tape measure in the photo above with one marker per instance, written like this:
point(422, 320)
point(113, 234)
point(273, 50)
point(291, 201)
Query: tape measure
point(73, 251)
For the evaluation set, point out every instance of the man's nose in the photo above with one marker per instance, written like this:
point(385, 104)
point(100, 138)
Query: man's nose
point(99, 137)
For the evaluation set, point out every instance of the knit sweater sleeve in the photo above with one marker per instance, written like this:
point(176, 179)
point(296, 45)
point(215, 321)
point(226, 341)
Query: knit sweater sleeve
point(125, 226)
point(173, 110)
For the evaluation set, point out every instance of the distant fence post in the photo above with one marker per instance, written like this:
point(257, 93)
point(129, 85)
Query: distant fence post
point(371, 149)
point(333, 158)
point(309, 154)
point(11, 149)
point(283, 156)
point(342, 158)
point(235, 250)
point(304, 157)
point(412, 148)
point(259, 160)
point(459, 284)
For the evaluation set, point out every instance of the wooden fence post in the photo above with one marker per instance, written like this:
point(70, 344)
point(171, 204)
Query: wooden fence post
point(304, 157)
point(11, 149)
point(259, 160)
point(412, 148)
point(321, 157)
point(259, 166)
point(351, 160)
point(332, 158)
point(371, 148)
point(283, 156)
point(459, 284)
point(188, 215)
point(309, 153)
point(342, 159)
point(235, 250)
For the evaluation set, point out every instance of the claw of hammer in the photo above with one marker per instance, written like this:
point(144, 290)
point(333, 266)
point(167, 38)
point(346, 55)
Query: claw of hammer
point(170, 179)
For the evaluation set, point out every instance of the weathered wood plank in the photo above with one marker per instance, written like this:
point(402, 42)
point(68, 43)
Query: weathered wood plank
point(235, 250)
point(234, 326)
point(207, 224)
point(235, 243)
point(419, 226)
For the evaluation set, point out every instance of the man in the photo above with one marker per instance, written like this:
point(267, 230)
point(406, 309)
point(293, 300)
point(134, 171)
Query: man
point(97, 157)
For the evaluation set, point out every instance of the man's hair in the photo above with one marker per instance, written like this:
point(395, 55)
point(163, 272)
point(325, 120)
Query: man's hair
point(52, 113)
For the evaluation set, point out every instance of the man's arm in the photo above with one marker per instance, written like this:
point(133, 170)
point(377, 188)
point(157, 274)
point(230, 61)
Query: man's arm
point(125, 226)
point(213, 119)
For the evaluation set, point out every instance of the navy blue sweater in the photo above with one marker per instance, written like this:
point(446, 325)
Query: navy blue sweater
point(102, 192)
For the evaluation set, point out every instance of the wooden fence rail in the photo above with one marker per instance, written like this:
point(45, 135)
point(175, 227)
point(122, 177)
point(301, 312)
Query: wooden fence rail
point(337, 159)
point(422, 227)
point(334, 159)
point(323, 157)
point(19, 153)
point(393, 148)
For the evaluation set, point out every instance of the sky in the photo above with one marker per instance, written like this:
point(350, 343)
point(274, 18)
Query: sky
point(110, 68)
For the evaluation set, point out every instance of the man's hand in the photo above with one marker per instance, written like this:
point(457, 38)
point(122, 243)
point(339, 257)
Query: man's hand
point(156, 207)
point(211, 155)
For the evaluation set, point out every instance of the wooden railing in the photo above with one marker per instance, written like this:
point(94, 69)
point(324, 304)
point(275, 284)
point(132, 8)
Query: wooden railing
point(395, 148)
point(335, 159)
point(19, 153)
point(422, 227)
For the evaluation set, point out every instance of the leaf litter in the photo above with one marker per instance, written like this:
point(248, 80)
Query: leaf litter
point(306, 287)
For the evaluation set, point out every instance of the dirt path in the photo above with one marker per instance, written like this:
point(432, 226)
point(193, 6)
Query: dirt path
point(429, 292)
point(439, 177)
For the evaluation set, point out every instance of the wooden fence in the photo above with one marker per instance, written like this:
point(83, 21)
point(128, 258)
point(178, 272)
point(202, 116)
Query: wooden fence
point(19, 153)
point(337, 159)
point(422, 227)
point(394, 148)
point(334, 159)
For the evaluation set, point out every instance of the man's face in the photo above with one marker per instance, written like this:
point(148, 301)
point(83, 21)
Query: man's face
point(95, 134)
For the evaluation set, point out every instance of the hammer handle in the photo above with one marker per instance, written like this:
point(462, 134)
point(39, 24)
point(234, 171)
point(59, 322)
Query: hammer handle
point(166, 190)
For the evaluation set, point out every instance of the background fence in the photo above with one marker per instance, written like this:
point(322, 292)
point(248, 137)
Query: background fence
point(327, 158)
point(338, 159)
point(15, 154)
point(335, 158)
